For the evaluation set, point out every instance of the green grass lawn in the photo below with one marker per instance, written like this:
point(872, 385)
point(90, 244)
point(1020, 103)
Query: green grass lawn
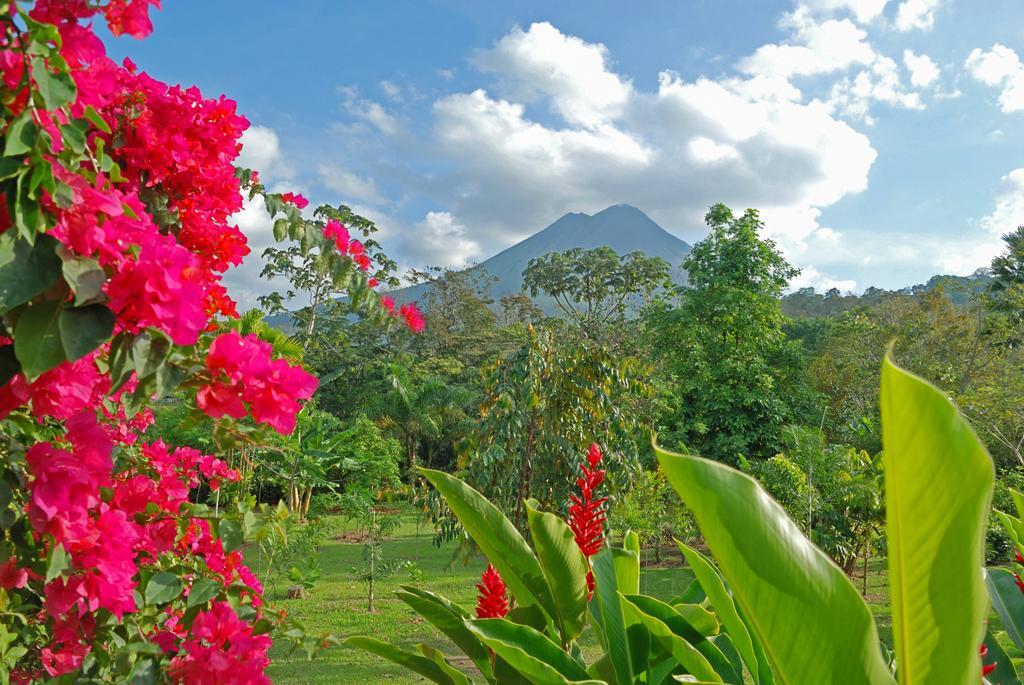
point(337, 604)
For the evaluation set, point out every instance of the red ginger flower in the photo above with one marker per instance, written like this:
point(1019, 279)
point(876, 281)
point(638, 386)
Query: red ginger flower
point(985, 668)
point(587, 514)
point(492, 602)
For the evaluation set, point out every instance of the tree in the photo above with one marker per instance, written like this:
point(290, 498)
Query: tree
point(415, 413)
point(733, 380)
point(367, 460)
point(593, 288)
point(327, 285)
point(543, 405)
point(1008, 267)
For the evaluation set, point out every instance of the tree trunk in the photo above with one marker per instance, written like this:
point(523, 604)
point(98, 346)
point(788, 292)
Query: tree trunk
point(865, 593)
point(307, 497)
point(410, 460)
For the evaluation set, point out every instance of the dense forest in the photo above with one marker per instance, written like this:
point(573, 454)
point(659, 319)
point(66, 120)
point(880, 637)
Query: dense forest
point(733, 366)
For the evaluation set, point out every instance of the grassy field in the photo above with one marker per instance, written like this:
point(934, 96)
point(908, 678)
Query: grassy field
point(338, 604)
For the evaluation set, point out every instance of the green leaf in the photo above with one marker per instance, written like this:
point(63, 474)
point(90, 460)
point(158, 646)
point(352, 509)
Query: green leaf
point(699, 617)
point(58, 563)
point(9, 366)
point(676, 640)
point(414, 662)
point(1004, 673)
point(1008, 601)
point(57, 88)
point(627, 570)
point(37, 341)
point(528, 651)
point(606, 608)
point(280, 229)
point(938, 486)
point(497, 538)
point(9, 168)
point(449, 618)
point(21, 135)
point(564, 566)
point(231, 535)
point(74, 136)
point(162, 588)
point(83, 329)
point(438, 658)
point(202, 591)
point(791, 593)
point(85, 277)
point(26, 270)
point(98, 121)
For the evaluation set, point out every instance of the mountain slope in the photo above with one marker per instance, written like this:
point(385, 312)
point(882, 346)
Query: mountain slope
point(621, 227)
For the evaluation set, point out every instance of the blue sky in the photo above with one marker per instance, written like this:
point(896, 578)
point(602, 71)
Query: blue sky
point(882, 139)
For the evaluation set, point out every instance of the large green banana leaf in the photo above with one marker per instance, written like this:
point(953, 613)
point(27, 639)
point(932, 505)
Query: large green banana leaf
point(499, 540)
point(810, 621)
point(564, 566)
point(938, 481)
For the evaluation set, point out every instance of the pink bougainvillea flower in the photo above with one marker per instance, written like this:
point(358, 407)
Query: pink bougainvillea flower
point(413, 318)
point(295, 199)
point(492, 600)
point(246, 380)
point(587, 514)
point(12, 577)
point(334, 230)
point(221, 650)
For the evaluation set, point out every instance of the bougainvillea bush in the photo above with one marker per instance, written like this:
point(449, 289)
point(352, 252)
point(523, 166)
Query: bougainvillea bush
point(115, 229)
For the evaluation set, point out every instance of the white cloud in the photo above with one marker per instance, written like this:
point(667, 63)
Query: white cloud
point(923, 70)
point(369, 111)
point(673, 151)
point(966, 255)
point(1000, 67)
point(1008, 213)
point(707, 151)
point(809, 277)
point(349, 186)
point(814, 48)
point(391, 90)
point(243, 282)
point(880, 83)
point(439, 240)
point(963, 260)
point(261, 150)
point(542, 61)
point(916, 14)
point(863, 10)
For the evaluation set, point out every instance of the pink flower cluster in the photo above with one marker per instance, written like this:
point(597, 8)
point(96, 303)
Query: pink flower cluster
point(246, 380)
point(108, 537)
point(336, 231)
point(408, 312)
point(221, 650)
point(60, 393)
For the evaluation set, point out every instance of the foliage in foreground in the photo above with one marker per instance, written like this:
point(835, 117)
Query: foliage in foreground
point(116, 193)
point(775, 609)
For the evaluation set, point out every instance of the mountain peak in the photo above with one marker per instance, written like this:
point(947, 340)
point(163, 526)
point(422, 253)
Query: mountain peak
point(622, 227)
